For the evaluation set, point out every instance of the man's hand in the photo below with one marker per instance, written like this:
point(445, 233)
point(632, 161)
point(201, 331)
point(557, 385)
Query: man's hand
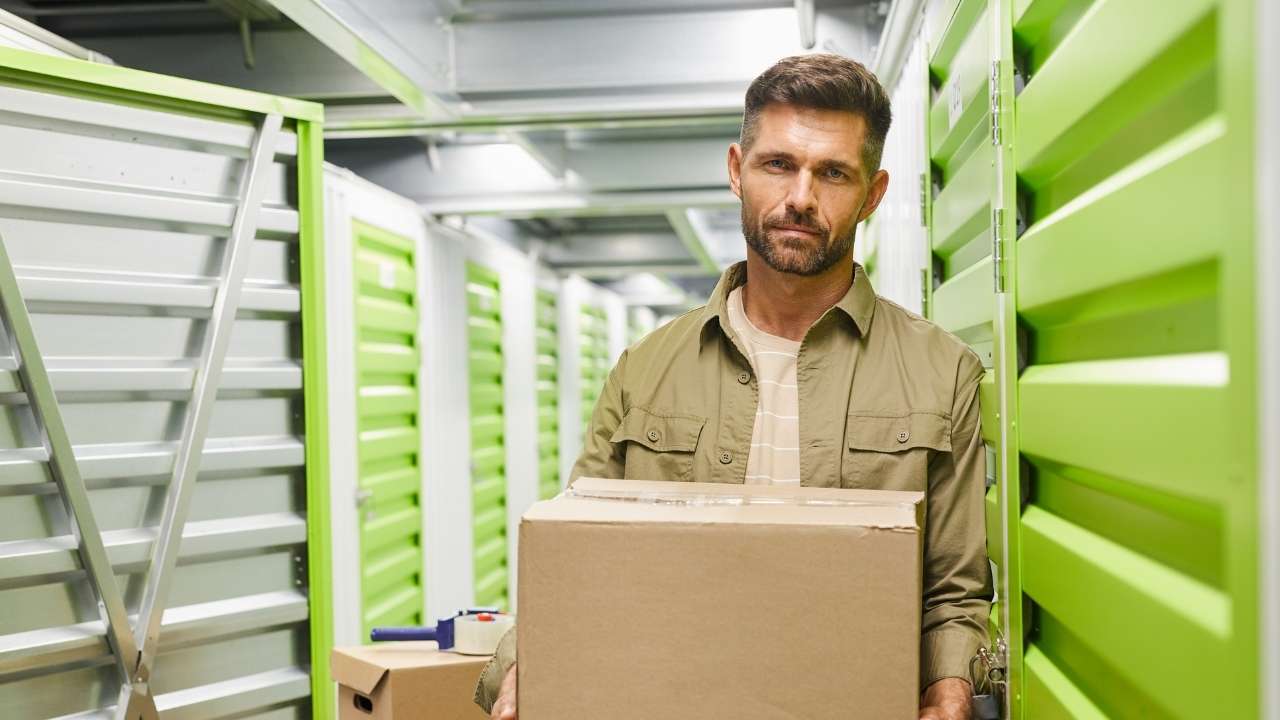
point(946, 699)
point(504, 708)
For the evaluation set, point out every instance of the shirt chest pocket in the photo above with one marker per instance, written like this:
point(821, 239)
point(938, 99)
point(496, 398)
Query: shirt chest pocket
point(658, 445)
point(893, 452)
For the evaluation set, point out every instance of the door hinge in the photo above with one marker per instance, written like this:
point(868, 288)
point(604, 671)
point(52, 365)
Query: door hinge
point(997, 105)
point(924, 199)
point(924, 292)
point(997, 248)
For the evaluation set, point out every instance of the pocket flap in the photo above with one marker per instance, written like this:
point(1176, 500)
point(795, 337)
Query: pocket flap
point(895, 433)
point(660, 432)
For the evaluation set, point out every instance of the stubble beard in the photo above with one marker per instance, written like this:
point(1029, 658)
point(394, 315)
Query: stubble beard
point(788, 256)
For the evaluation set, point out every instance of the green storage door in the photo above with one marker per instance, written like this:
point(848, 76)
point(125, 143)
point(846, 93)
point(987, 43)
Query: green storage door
point(389, 438)
point(488, 452)
point(548, 360)
point(593, 339)
point(963, 179)
point(1134, 166)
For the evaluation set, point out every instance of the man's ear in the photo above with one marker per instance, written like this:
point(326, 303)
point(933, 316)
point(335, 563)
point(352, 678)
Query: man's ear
point(875, 193)
point(735, 169)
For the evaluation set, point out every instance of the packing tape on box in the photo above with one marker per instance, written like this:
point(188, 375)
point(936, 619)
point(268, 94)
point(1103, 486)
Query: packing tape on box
point(473, 636)
point(704, 499)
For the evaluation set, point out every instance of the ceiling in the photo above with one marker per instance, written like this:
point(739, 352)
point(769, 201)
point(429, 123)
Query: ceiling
point(595, 131)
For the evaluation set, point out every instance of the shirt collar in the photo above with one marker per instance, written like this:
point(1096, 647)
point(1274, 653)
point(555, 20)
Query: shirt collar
point(859, 303)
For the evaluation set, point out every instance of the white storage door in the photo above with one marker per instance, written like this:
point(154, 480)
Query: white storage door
point(116, 218)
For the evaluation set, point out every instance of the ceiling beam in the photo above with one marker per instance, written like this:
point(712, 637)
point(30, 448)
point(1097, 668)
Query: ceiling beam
point(572, 204)
point(692, 239)
point(363, 121)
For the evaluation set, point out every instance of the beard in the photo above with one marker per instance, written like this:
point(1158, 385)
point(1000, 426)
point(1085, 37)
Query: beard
point(787, 255)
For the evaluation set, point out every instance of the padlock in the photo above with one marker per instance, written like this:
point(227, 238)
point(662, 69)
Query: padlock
point(985, 707)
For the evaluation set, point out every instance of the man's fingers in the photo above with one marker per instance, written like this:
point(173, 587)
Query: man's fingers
point(504, 709)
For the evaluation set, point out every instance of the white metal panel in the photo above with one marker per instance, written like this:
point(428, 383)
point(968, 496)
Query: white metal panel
point(18, 33)
point(895, 236)
point(115, 218)
point(447, 498)
point(707, 49)
point(340, 336)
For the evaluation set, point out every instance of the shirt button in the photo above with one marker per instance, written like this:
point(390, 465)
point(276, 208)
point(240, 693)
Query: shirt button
point(725, 458)
point(904, 436)
point(744, 378)
point(653, 436)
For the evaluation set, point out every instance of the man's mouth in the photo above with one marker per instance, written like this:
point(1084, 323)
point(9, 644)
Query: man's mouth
point(796, 229)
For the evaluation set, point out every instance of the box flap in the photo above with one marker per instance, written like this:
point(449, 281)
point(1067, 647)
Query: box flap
point(355, 672)
point(626, 501)
point(362, 667)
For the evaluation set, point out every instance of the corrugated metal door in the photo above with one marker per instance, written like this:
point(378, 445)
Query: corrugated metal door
point(548, 360)
point(962, 151)
point(389, 437)
point(593, 348)
point(488, 451)
point(158, 254)
point(1134, 170)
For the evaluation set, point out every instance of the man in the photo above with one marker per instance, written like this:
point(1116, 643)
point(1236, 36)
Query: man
point(795, 372)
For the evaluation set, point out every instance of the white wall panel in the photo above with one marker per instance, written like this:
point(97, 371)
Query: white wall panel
point(893, 241)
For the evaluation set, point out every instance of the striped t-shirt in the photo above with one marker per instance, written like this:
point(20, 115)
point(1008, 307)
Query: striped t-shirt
point(775, 438)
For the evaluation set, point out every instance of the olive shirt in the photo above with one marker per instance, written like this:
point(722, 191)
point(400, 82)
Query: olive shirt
point(888, 401)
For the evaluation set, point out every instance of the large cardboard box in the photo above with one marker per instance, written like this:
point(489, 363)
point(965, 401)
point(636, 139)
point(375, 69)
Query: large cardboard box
point(406, 681)
point(648, 601)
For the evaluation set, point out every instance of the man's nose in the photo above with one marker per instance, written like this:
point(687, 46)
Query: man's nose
point(800, 197)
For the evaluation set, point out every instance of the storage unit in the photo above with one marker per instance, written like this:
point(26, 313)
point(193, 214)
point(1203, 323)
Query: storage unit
point(161, 273)
point(502, 341)
point(548, 363)
point(376, 281)
point(389, 443)
point(1118, 319)
point(488, 453)
point(640, 322)
point(593, 349)
point(593, 334)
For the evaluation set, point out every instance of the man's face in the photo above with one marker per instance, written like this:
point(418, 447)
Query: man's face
point(804, 187)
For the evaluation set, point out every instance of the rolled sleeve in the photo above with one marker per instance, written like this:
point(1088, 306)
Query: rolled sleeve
point(496, 669)
point(957, 572)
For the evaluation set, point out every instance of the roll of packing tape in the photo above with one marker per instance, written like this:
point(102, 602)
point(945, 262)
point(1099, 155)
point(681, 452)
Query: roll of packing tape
point(479, 634)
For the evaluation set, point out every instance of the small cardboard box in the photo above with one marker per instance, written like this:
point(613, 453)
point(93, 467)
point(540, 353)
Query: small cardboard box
point(644, 600)
point(406, 681)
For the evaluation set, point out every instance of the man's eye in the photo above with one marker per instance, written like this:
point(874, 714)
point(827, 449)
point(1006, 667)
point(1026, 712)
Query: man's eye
point(835, 174)
point(775, 163)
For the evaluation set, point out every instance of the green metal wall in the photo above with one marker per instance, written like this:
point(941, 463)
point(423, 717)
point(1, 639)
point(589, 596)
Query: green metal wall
point(1137, 486)
point(1118, 323)
point(488, 452)
point(593, 348)
point(959, 202)
point(548, 360)
point(389, 437)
